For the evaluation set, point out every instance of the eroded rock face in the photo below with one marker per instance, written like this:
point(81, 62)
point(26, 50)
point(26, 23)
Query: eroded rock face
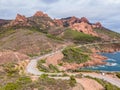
point(84, 19)
point(58, 22)
point(97, 25)
point(20, 20)
point(84, 27)
point(40, 14)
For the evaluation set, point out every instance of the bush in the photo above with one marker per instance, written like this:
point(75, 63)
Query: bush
point(118, 74)
point(53, 68)
point(54, 37)
point(79, 37)
point(74, 55)
point(24, 80)
point(72, 81)
point(106, 85)
point(10, 69)
point(11, 86)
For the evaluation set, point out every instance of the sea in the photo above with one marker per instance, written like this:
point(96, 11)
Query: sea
point(113, 63)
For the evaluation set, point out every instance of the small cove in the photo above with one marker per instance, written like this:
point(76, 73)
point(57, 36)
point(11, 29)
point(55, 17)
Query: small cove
point(113, 63)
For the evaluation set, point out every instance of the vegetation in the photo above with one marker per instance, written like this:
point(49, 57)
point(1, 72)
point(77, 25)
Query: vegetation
point(50, 68)
point(109, 33)
point(53, 68)
point(72, 81)
point(54, 37)
point(75, 55)
point(79, 37)
point(22, 82)
point(106, 85)
point(118, 74)
point(41, 67)
point(10, 69)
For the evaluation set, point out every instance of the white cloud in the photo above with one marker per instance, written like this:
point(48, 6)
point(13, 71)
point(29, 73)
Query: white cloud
point(106, 11)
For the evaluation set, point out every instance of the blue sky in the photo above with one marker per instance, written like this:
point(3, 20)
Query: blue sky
point(105, 11)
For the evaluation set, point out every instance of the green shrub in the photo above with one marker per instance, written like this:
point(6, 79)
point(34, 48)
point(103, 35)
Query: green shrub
point(11, 86)
point(118, 74)
point(106, 85)
point(53, 68)
point(10, 69)
point(24, 80)
point(74, 55)
point(79, 36)
point(72, 81)
point(54, 37)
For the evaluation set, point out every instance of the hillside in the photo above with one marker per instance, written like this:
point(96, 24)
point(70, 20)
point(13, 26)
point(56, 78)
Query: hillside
point(40, 34)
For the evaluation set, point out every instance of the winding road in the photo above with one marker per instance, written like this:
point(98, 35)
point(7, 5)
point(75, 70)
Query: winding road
point(32, 68)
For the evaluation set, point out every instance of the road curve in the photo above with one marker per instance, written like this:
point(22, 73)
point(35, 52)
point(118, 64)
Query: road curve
point(112, 80)
point(32, 68)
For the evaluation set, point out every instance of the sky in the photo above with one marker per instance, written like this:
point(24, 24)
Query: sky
point(105, 11)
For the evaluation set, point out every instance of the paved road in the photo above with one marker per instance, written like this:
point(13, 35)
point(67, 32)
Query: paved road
point(112, 80)
point(32, 68)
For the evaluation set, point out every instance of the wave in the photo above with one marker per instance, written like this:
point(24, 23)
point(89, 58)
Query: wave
point(111, 59)
point(111, 64)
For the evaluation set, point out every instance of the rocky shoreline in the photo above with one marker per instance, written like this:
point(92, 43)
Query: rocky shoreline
point(96, 59)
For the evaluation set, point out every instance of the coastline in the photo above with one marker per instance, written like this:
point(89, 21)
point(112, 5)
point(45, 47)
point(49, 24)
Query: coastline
point(96, 58)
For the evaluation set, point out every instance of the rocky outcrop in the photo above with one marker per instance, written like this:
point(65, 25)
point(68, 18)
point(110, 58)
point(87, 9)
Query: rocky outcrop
point(20, 20)
point(84, 19)
point(95, 60)
point(97, 25)
point(40, 14)
point(84, 27)
point(58, 22)
point(79, 24)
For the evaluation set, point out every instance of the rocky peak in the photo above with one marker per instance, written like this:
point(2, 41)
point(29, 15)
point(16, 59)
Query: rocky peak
point(84, 27)
point(97, 25)
point(84, 19)
point(20, 18)
point(40, 14)
point(58, 22)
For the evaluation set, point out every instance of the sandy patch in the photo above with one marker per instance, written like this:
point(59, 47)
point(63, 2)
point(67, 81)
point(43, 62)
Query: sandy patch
point(90, 84)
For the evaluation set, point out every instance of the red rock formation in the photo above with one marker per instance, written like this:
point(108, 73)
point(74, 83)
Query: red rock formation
point(97, 25)
point(71, 20)
point(84, 19)
point(84, 27)
point(58, 22)
point(40, 14)
point(20, 20)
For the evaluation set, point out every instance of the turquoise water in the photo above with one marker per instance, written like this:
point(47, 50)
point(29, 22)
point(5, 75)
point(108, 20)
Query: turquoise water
point(113, 63)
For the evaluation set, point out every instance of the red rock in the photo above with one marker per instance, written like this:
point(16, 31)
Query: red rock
point(20, 18)
point(58, 22)
point(97, 25)
point(84, 19)
point(40, 14)
point(84, 27)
